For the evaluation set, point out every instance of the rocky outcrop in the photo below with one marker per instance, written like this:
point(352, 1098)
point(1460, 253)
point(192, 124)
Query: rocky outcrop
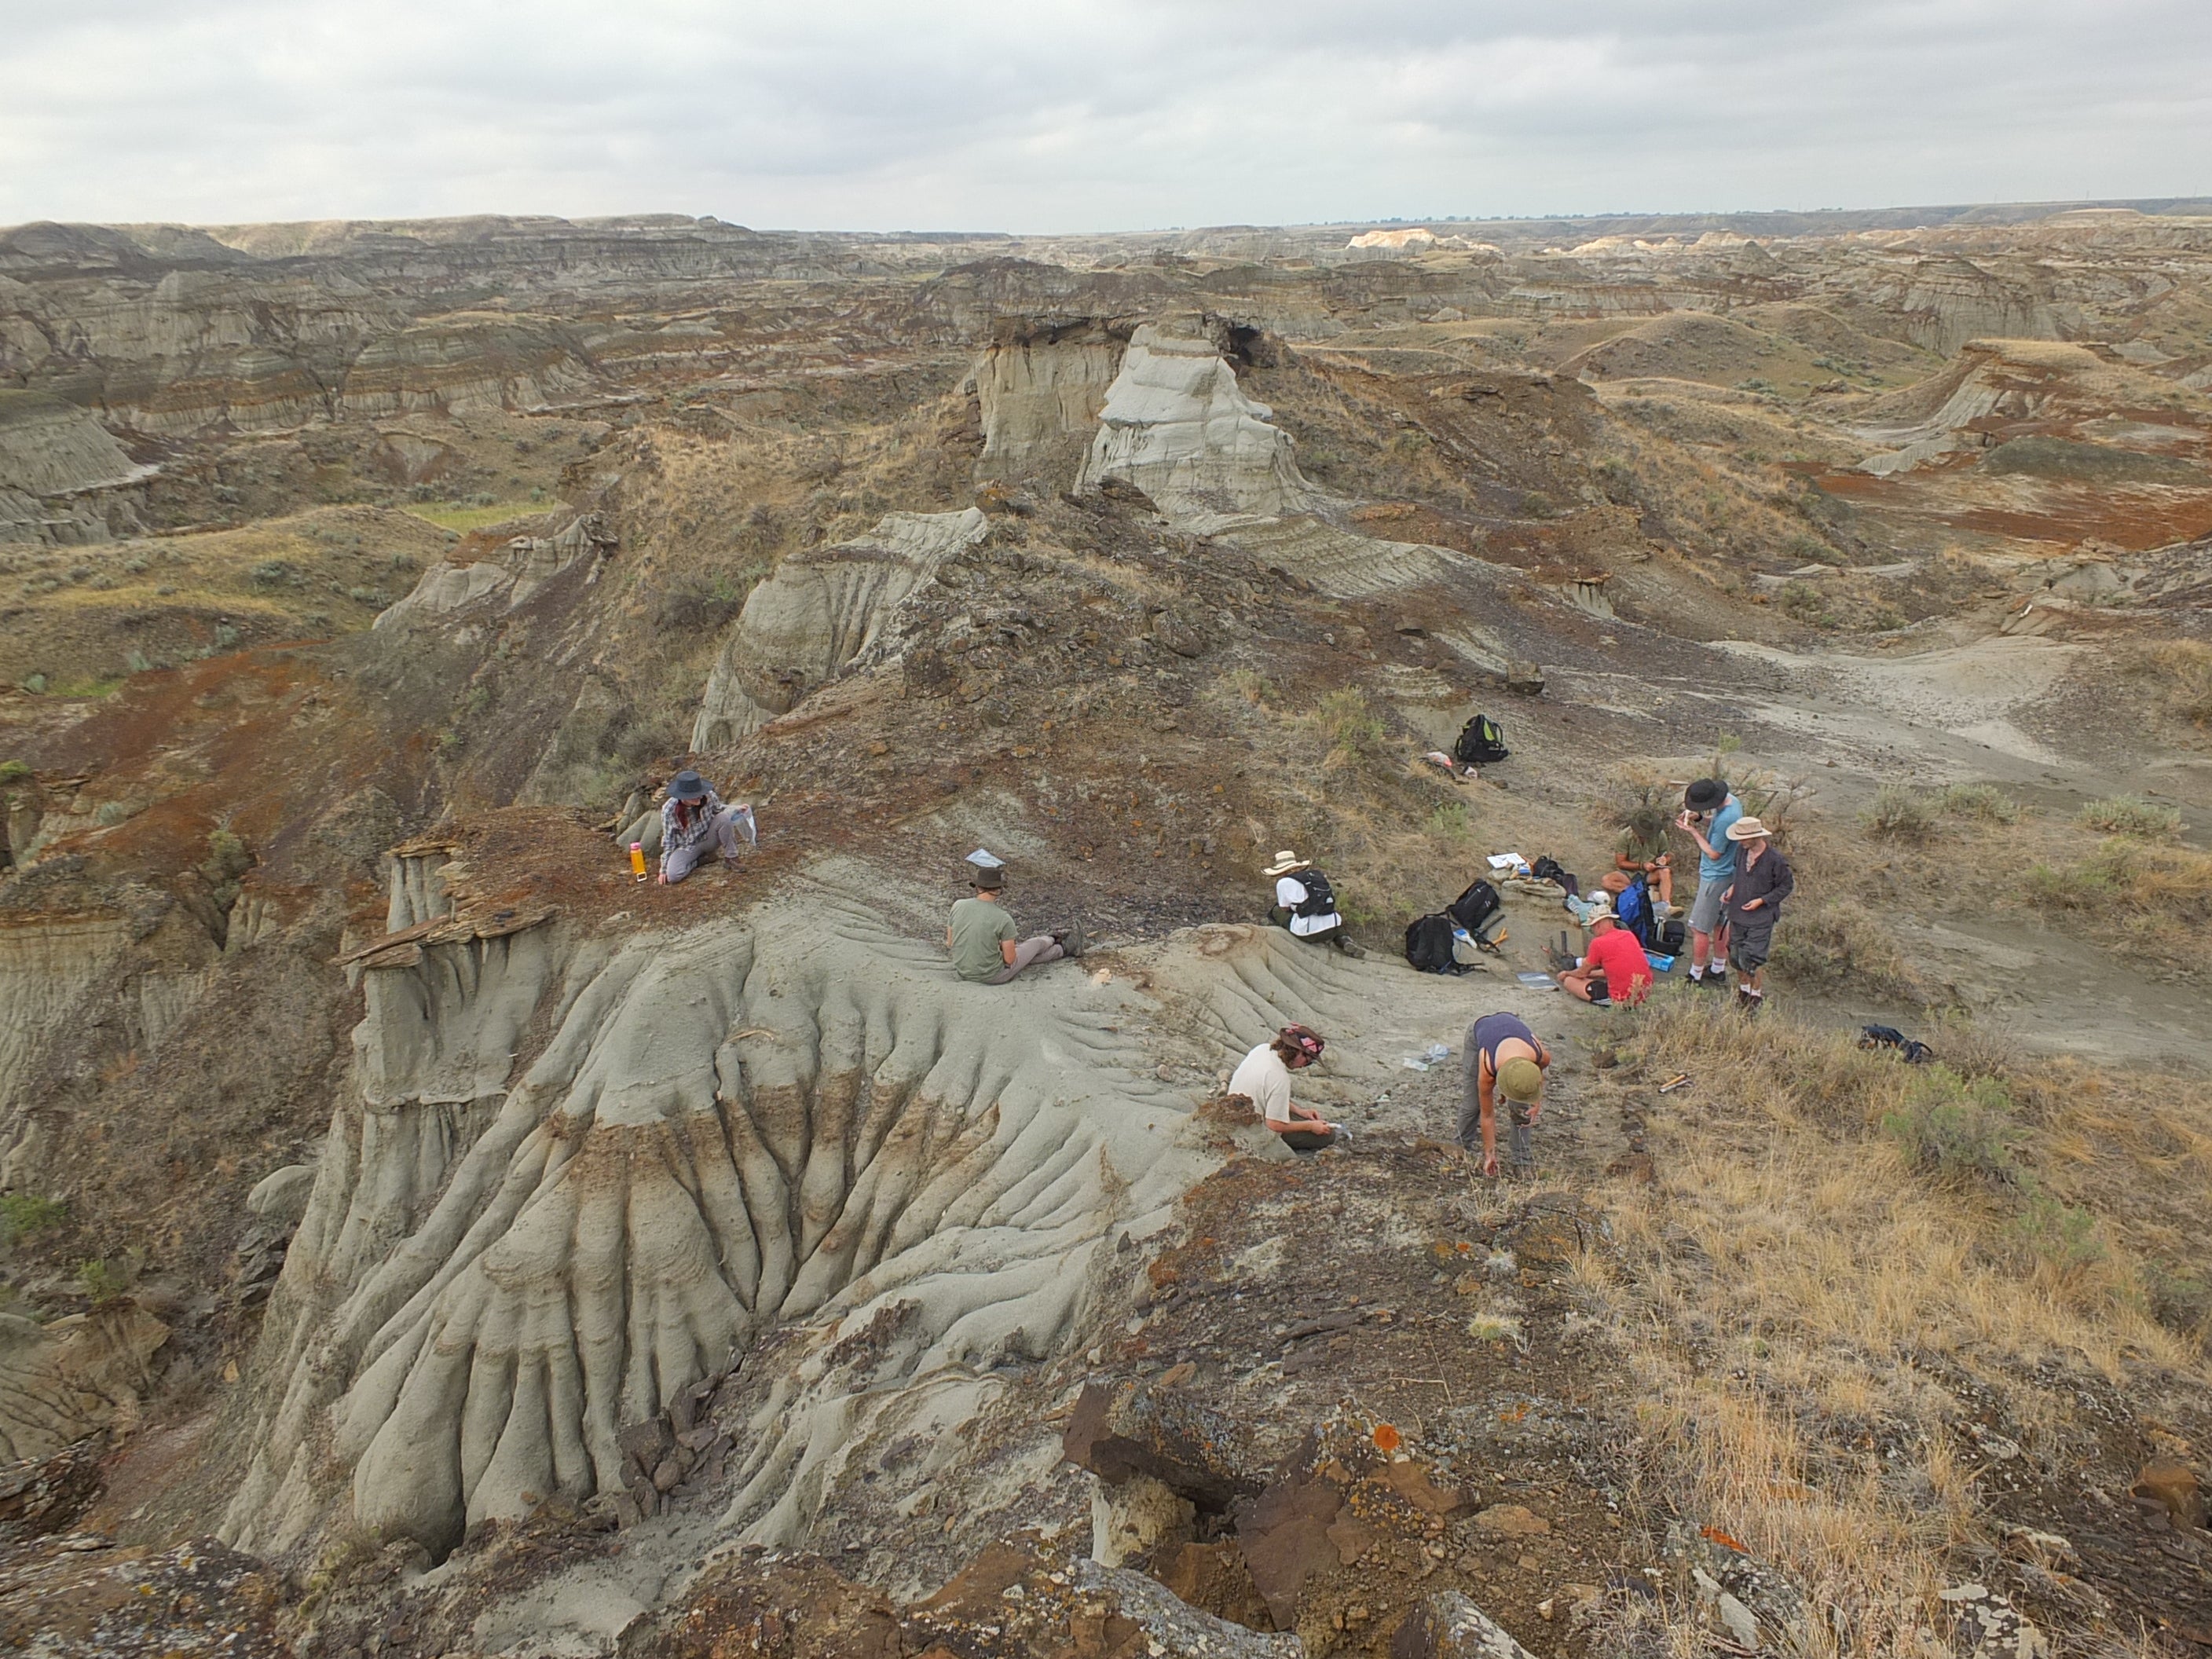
point(455, 592)
point(822, 610)
point(1178, 427)
point(803, 1119)
point(74, 1377)
point(64, 479)
point(1040, 396)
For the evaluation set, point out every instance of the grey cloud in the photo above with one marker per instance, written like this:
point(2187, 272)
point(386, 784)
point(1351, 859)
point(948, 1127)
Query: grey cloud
point(1062, 114)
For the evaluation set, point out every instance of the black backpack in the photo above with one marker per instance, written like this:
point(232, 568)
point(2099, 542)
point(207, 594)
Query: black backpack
point(1320, 897)
point(1674, 936)
point(1473, 908)
point(1481, 741)
point(1429, 944)
point(1547, 868)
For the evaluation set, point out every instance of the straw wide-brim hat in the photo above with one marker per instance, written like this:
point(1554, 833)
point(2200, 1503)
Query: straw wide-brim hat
point(1598, 916)
point(1285, 861)
point(1748, 829)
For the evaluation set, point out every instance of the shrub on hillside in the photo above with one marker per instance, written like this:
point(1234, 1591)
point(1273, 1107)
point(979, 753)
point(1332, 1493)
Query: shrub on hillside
point(1899, 813)
point(1985, 801)
point(1842, 944)
point(2130, 814)
point(1958, 1128)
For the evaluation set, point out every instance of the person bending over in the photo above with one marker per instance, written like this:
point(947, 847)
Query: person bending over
point(1264, 1078)
point(1502, 1055)
point(694, 817)
point(985, 945)
point(1615, 969)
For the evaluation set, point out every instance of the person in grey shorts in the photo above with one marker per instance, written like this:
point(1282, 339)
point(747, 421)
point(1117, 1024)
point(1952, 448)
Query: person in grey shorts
point(1763, 880)
point(1708, 810)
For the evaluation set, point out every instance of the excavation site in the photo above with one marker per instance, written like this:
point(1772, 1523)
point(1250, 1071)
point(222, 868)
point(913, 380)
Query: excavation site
point(1361, 939)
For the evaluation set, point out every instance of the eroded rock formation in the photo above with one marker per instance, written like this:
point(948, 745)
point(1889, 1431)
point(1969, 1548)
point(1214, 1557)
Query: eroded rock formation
point(822, 610)
point(1176, 425)
point(798, 1119)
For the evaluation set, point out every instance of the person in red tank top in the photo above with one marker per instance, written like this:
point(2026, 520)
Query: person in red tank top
point(1614, 969)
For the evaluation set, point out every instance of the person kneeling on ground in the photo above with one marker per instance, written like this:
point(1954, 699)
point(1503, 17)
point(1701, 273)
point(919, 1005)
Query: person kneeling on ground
point(1501, 1052)
point(1615, 969)
point(986, 946)
point(1264, 1078)
point(694, 814)
point(1306, 903)
point(1708, 812)
point(1641, 854)
point(1763, 879)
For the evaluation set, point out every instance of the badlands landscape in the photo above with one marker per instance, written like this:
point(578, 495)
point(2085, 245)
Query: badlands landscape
point(419, 1239)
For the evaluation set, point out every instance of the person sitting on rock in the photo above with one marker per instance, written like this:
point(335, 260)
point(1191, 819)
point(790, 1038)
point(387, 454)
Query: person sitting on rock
point(985, 945)
point(1264, 1078)
point(693, 815)
point(1763, 879)
point(1501, 1053)
point(1615, 969)
point(1641, 854)
point(1306, 903)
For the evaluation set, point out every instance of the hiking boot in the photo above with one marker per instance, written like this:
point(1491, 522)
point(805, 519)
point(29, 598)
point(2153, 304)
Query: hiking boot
point(1748, 1001)
point(1070, 939)
point(1346, 945)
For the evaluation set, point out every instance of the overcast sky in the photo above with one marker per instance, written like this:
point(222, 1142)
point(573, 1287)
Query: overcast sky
point(1050, 115)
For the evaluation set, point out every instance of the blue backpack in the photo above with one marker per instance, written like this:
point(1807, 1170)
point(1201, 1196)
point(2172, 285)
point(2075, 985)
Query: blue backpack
point(1633, 908)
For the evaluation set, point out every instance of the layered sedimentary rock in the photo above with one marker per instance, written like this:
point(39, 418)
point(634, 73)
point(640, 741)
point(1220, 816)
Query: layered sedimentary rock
point(1178, 427)
point(823, 609)
point(1039, 396)
point(805, 1119)
point(64, 479)
point(523, 564)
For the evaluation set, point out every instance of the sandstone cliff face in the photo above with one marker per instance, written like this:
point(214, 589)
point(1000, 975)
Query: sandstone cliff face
point(64, 479)
point(1177, 426)
point(821, 611)
point(508, 1258)
point(1040, 400)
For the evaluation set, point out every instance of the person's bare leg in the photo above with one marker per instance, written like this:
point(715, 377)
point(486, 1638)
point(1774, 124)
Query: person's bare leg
point(1663, 878)
point(1577, 983)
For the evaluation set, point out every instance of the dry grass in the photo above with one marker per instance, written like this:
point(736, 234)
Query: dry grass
point(465, 516)
point(1793, 1289)
point(2179, 675)
point(1840, 944)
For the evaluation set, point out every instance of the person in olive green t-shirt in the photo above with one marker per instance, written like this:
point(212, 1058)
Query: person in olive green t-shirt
point(1642, 851)
point(987, 948)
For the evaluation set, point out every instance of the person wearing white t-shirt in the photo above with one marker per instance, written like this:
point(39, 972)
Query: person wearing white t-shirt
point(1306, 903)
point(1264, 1078)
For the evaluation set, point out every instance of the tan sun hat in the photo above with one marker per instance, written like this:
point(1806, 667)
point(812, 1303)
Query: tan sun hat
point(1747, 830)
point(1604, 912)
point(1285, 861)
point(1522, 1079)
